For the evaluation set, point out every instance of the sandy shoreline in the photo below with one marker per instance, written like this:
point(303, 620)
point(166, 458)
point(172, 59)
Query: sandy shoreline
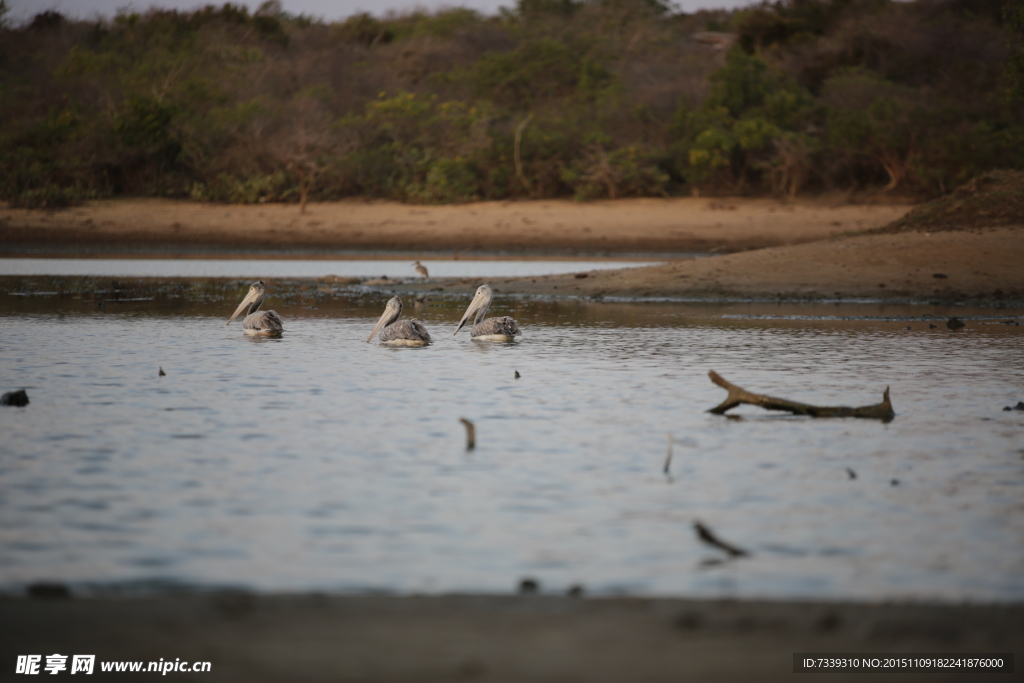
point(980, 267)
point(543, 227)
point(809, 249)
point(500, 638)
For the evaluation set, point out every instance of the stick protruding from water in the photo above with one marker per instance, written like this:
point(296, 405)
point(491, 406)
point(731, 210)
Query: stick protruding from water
point(668, 455)
point(470, 433)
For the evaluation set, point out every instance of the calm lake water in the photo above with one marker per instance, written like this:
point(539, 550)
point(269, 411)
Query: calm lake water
point(320, 462)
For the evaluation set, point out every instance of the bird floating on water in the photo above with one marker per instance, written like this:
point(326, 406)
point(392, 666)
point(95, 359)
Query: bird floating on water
point(487, 329)
point(421, 269)
point(395, 332)
point(257, 322)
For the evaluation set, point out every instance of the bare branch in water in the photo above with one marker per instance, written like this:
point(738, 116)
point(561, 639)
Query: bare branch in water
point(705, 534)
point(470, 433)
point(738, 395)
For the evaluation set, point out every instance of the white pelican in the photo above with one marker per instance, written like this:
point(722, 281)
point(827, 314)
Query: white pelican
point(421, 269)
point(408, 332)
point(489, 329)
point(257, 322)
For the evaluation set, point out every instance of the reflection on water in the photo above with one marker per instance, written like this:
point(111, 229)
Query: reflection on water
point(320, 462)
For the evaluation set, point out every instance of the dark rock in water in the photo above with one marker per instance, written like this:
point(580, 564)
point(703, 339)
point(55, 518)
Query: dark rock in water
point(48, 591)
point(162, 373)
point(955, 323)
point(894, 482)
point(529, 586)
point(1019, 406)
point(575, 591)
point(932, 326)
point(14, 398)
point(517, 374)
point(939, 276)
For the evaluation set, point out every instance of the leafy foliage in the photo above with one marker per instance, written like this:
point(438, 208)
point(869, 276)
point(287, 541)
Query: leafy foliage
point(581, 98)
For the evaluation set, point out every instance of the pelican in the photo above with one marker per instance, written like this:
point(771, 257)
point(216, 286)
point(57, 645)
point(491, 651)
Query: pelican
point(421, 269)
point(489, 329)
point(407, 332)
point(257, 322)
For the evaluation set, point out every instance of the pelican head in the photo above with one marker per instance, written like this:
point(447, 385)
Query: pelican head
point(477, 307)
point(252, 301)
point(391, 313)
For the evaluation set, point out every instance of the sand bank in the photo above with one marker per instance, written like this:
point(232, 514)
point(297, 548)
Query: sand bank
point(809, 249)
point(983, 266)
point(542, 227)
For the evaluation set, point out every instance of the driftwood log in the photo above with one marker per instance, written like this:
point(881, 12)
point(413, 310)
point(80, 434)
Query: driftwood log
point(738, 395)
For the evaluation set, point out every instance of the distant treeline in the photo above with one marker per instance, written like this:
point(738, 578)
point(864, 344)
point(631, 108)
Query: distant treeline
point(551, 98)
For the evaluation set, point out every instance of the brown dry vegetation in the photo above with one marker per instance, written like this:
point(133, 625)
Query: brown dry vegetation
point(606, 98)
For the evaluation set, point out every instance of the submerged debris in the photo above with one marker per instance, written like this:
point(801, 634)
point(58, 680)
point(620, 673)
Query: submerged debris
point(705, 534)
point(668, 456)
point(470, 433)
point(738, 395)
point(1019, 406)
point(161, 373)
point(955, 323)
point(14, 398)
point(529, 586)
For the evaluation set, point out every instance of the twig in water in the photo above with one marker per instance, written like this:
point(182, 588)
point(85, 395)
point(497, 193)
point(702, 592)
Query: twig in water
point(705, 534)
point(517, 374)
point(668, 456)
point(161, 373)
point(470, 433)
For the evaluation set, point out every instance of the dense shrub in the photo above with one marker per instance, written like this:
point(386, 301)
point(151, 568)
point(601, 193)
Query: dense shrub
point(575, 98)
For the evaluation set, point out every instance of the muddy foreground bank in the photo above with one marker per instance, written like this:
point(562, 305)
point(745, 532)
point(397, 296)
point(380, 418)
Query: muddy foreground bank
point(495, 638)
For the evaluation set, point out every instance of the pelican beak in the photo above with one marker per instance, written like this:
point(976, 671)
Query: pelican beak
point(474, 306)
point(380, 324)
point(249, 298)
